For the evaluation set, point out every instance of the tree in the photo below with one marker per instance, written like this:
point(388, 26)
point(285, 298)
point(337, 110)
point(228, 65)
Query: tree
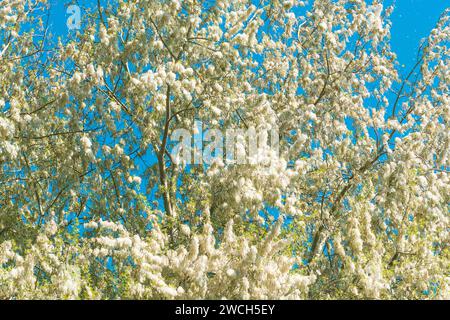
point(93, 203)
